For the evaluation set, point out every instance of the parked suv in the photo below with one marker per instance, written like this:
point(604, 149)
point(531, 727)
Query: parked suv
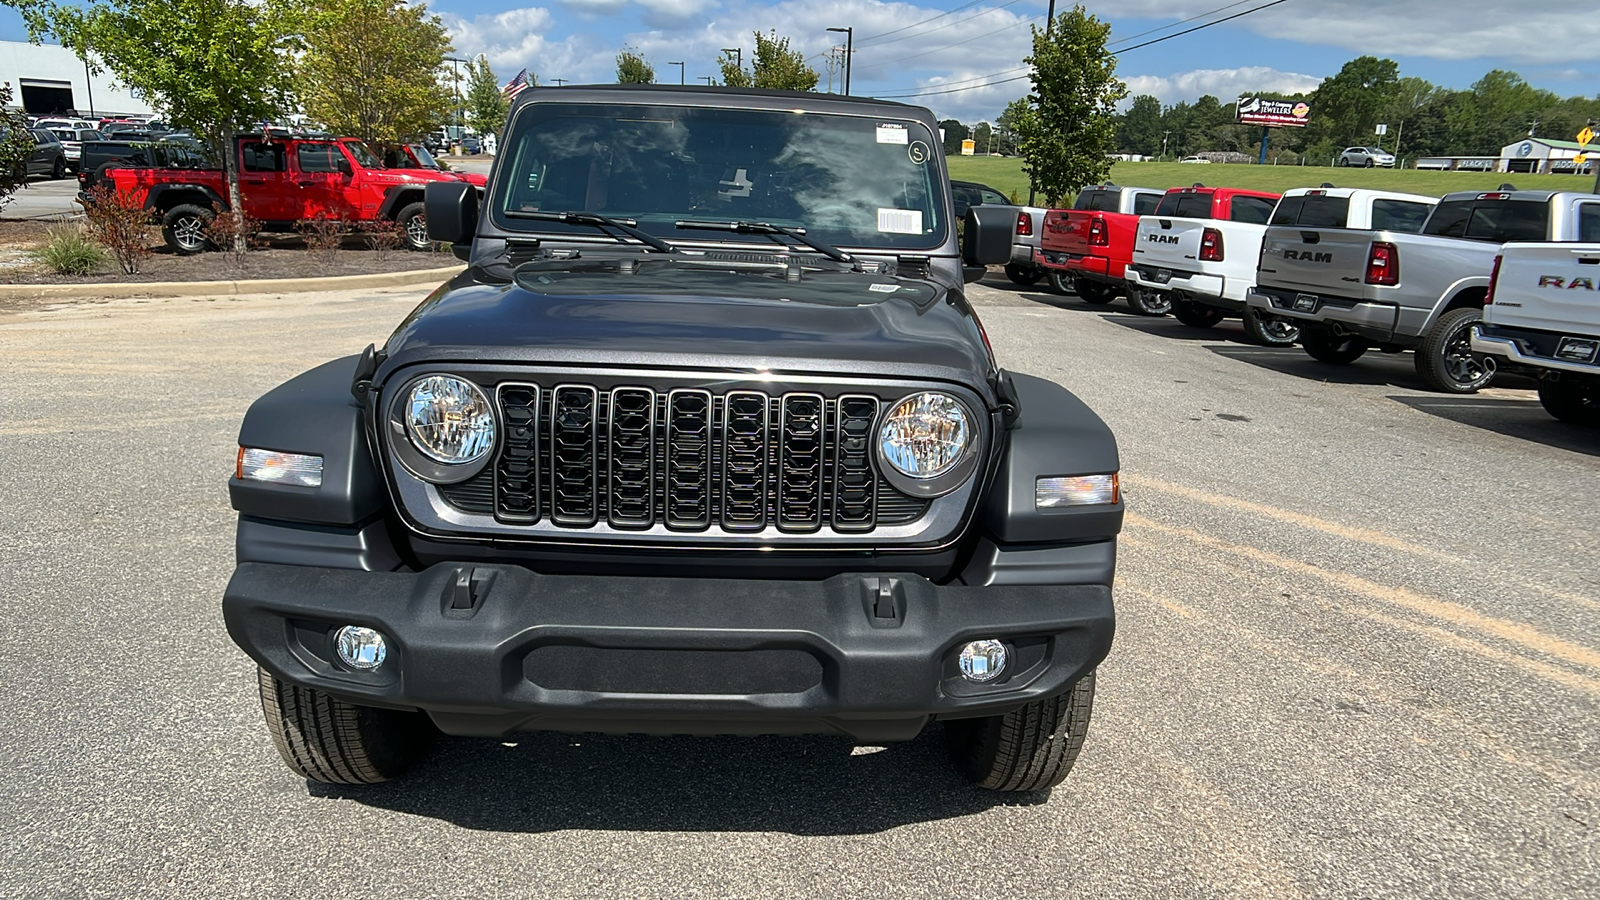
point(48, 156)
point(705, 440)
point(1366, 156)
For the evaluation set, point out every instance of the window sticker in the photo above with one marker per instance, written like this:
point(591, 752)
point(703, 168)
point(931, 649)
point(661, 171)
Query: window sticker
point(893, 134)
point(919, 152)
point(900, 221)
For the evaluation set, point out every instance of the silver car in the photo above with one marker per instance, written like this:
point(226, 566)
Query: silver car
point(1366, 156)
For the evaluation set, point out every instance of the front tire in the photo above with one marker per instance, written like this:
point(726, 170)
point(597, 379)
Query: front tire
point(1023, 275)
point(1324, 346)
point(1446, 361)
point(1094, 292)
point(1196, 315)
point(1573, 398)
point(334, 742)
point(414, 225)
point(184, 227)
point(1149, 303)
point(1027, 749)
point(1269, 331)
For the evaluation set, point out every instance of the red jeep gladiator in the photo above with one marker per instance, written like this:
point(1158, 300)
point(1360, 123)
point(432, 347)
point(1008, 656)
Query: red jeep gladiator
point(285, 180)
point(1089, 245)
point(416, 156)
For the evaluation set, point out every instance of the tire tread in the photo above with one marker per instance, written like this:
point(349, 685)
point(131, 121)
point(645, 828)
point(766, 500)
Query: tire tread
point(328, 740)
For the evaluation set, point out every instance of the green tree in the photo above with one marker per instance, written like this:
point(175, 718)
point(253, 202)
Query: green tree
point(371, 69)
point(1346, 106)
point(486, 103)
point(733, 74)
point(1509, 109)
point(16, 145)
point(1140, 131)
point(1011, 123)
point(216, 67)
point(982, 138)
point(1072, 126)
point(779, 68)
point(954, 134)
point(634, 69)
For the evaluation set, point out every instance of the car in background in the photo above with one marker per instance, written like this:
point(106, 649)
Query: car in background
point(72, 142)
point(471, 145)
point(416, 156)
point(1200, 160)
point(1367, 157)
point(61, 122)
point(971, 193)
point(48, 156)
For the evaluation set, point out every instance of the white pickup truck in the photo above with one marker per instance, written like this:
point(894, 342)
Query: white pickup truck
point(1542, 317)
point(1352, 289)
point(1195, 256)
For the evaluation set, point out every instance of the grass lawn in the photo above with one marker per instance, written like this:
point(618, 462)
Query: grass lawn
point(1006, 175)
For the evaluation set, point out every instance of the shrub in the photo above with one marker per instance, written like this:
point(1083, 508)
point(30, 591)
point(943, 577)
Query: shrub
point(381, 236)
point(323, 234)
point(67, 251)
point(119, 222)
point(225, 224)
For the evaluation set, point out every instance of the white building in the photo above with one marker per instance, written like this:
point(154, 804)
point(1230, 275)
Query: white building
point(49, 79)
point(1546, 156)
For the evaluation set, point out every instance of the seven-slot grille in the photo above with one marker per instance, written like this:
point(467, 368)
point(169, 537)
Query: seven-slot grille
point(574, 456)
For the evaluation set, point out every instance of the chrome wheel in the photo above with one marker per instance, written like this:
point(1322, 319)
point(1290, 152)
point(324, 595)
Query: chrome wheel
point(190, 233)
point(1461, 365)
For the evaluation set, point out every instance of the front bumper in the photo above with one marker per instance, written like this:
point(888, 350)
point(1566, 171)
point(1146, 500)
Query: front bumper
point(667, 655)
point(1529, 349)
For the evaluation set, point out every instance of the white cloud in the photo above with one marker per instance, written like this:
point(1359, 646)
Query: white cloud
point(1224, 84)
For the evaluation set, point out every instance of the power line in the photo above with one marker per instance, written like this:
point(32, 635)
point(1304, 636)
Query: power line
point(1211, 12)
point(959, 43)
point(955, 23)
point(1168, 37)
point(963, 6)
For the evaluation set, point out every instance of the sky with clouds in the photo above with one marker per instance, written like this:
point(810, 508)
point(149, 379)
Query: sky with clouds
point(955, 56)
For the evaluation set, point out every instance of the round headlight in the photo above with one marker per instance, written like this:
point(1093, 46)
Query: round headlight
point(449, 420)
point(926, 435)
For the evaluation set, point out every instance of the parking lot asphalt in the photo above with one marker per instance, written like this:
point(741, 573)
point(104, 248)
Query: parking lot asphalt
point(43, 198)
point(1358, 654)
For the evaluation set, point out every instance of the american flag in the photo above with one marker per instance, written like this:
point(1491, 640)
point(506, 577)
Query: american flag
point(516, 85)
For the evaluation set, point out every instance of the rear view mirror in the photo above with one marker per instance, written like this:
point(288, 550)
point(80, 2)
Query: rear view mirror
point(451, 208)
point(986, 235)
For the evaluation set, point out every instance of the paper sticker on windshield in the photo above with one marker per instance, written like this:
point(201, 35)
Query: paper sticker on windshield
point(900, 221)
point(893, 134)
point(883, 288)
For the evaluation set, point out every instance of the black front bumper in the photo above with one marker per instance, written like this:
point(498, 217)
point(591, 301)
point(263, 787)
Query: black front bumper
point(869, 656)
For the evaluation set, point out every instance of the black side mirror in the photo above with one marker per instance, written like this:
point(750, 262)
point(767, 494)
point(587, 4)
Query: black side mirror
point(986, 236)
point(344, 167)
point(451, 208)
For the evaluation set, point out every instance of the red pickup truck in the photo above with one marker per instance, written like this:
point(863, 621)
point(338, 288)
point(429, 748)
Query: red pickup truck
point(284, 181)
point(1089, 245)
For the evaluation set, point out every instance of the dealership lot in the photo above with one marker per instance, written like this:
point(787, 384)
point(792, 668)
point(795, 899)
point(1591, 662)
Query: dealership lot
point(1358, 654)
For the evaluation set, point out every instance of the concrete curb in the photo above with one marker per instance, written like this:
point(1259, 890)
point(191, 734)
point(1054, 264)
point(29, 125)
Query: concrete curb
point(209, 288)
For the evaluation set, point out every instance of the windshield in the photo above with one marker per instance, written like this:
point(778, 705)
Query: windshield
point(424, 158)
point(849, 181)
point(362, 155)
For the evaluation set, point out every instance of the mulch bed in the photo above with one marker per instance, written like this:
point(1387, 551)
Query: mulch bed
point(280, 256)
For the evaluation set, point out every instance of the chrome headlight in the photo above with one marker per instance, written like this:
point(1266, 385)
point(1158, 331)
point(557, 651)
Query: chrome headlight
point(928, 444)
point(449, 420)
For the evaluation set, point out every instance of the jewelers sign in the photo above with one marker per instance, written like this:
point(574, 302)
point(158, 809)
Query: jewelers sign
point(1259, 111)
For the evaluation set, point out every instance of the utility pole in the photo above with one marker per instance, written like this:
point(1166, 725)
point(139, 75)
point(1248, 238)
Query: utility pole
point(88, 85)
point(558, 82)
point(680, 70)
point(456, 76)
point(1049, 24)
point(1164, 144)
point(849, 49)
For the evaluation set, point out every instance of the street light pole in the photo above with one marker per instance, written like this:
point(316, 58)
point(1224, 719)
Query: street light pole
point(849, 51)
point(738, 56)
point(456, 76)
point(680, 70)
point(708, 79)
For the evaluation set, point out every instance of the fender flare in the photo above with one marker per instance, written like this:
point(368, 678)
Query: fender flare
point(152, 199)
point(392, 198)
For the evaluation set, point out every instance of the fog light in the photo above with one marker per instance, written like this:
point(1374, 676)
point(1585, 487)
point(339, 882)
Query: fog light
point(983, 660)
point(361, 648)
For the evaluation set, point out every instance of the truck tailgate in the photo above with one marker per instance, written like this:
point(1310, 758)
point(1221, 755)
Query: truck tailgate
point(1320, 260)
point(1067, 231)
point(1169, 243)
point(1549, 287)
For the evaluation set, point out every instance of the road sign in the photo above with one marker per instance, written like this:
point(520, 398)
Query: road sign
point(1586, 135)
point(1383, 129)
point(1581, 158)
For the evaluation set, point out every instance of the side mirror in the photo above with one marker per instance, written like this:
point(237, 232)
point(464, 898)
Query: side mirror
point(344, 167)
point(986, 236)
point(451, 208)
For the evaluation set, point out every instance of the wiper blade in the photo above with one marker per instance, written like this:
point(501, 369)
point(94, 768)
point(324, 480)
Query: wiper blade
point(626, 226)
point(799, 234)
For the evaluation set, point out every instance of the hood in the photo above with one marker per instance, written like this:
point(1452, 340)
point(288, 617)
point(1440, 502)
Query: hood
point(833, 322)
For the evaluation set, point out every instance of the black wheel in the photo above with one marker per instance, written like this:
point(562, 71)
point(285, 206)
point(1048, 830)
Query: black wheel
point(1268, 330)
point(335, 742)
point(1028, 749)
point(184, 226)
point(1344, 162)
point(1446, 361)
point(1023, 275)
point(1195, 315)
point(415, 225)
point(1370, 163)
point(1060, 283)
point(1094, 292)
point(1324, 346)
point(1149, 303)
point(1573, 398)
point(59, 170)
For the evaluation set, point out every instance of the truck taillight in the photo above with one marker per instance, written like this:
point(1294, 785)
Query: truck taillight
point(1383, 264)
point(1097, 232)
point(1211, 245)
point(1494, 279)
point(1024, 224)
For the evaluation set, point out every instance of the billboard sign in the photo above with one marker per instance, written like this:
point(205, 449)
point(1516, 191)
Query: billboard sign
point(1280, 113)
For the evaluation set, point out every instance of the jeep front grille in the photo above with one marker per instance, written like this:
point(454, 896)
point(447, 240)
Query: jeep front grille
point(687, 459)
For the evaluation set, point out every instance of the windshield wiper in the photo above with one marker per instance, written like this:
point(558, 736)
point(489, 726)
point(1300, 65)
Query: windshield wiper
point(799, 234)
point(626, 226)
